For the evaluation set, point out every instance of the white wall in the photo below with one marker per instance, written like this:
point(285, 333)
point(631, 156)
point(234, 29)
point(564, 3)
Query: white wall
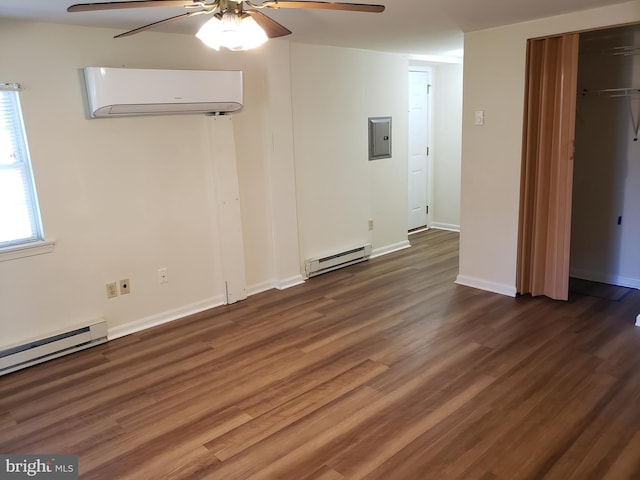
point(280, 153)
point(494, 71)
point(334, 92)
point(607, 170)
point(447, 145)
point(124, 197)
point(629, 261)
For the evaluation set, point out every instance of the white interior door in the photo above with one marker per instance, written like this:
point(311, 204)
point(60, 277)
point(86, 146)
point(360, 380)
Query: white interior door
point(419, 181)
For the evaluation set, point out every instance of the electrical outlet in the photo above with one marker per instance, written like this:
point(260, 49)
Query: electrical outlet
point(162, 275)
point(112, 290)
point(125, 287)
point(370, 224)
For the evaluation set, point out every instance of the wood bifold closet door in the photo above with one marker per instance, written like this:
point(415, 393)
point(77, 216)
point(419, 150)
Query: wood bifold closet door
point(544, 230)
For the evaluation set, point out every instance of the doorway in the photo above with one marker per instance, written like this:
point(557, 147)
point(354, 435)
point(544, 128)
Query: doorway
point(419, 165)
point(605, 224)
point(590, 206)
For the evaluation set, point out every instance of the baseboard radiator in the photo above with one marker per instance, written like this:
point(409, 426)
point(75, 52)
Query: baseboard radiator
point(318, 266)
point(41, 350)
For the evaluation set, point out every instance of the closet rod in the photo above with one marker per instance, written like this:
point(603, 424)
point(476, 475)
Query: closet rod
point(627, 51)
point(613, 92)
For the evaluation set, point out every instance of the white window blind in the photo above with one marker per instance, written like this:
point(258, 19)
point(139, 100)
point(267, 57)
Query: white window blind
point(19, 215)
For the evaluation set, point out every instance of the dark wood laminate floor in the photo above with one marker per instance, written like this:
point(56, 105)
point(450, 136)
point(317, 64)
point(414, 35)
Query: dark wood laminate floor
point(383, 370)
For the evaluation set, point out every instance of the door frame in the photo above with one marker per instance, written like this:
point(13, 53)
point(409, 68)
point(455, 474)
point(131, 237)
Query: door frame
point(429, 186)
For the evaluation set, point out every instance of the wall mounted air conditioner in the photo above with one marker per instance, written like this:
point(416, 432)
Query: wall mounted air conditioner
point(119, 92)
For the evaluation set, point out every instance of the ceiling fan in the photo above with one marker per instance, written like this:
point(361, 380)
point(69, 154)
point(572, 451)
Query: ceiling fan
point(231, 22)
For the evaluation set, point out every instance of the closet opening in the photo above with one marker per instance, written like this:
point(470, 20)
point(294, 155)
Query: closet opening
point(605, 220)
point(580, 184)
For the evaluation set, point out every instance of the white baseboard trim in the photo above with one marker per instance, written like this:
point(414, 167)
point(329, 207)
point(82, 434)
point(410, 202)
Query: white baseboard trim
point(501, 288)
point(163, 317)
point(446, 226)
point(378, 252)
point(261, 287)
point(271, 284)
point(602, 277)
point(290, 282)
point(178, 313)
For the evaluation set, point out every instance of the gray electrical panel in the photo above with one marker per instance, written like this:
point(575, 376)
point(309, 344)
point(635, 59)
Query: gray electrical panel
point(379, 138)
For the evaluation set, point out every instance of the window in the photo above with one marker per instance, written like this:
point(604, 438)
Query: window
point(19, 215)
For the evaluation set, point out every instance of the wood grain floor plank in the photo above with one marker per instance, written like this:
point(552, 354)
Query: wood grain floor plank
point(386, 446)
point(69, 434)
point(324, 473)
point(284, 415)
point(398, 403)
point(262, 458)
point(474, 433)
point(627, 465)
point(178, 464)
point(385, 370)
point(137, 450)
point(93, 389)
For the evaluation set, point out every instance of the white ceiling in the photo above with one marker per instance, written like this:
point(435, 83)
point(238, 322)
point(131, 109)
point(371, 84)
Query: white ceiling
point(422, 27)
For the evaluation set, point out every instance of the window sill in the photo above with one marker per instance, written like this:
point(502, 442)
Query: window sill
point(26, 250)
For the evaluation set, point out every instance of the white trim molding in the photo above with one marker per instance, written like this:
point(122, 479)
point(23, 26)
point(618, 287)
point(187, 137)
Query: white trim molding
point(601, 277)
point(446, 226)
point(26, 250)
point(289, 282)
point(179, 313)
point(164, 317)
point(279, 284)
point(481, 284)
point(396, 247)
point(260, 287)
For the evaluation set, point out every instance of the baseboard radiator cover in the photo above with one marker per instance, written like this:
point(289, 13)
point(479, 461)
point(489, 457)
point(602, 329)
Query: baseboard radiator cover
point(318, 266)
point(40, 350)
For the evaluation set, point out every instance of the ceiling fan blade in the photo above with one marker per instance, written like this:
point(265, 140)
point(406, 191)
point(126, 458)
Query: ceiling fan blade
point(272, 28)
point(90, 7)
point(155, 24)
point(353, 7)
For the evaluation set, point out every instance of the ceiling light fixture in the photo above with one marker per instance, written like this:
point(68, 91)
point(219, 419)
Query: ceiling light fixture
point(233, 31)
